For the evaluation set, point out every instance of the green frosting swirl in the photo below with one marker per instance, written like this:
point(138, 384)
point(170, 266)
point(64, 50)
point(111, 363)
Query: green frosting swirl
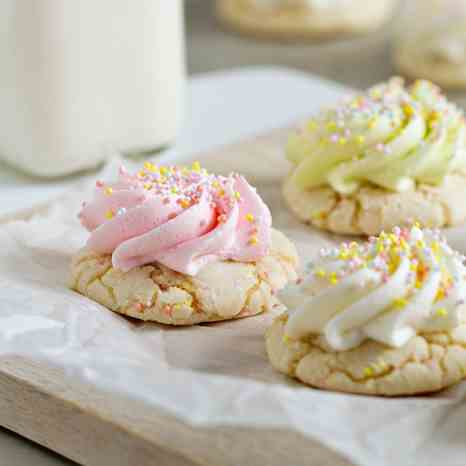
point(392, 136)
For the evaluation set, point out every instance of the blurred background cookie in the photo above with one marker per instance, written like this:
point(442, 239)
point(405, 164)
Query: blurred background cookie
point(301, 19)
point(434, 46)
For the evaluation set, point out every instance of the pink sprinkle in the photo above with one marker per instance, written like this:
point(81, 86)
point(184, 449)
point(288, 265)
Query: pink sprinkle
point(99, 183)
point(334, 137)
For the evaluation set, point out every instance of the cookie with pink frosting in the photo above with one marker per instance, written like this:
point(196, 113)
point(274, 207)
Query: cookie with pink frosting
point(179, 245)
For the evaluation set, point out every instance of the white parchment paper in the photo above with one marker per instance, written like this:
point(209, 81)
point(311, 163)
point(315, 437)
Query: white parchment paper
point(208, 375)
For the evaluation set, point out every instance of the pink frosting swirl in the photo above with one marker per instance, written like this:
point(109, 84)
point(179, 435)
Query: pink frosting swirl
point(179, 217)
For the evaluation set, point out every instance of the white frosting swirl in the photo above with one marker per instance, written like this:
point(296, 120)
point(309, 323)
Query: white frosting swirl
point(387, 290)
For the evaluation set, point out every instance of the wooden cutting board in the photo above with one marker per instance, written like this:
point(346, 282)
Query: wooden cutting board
point(92, 428)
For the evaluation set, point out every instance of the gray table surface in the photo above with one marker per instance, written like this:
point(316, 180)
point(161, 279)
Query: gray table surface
point(357, 62)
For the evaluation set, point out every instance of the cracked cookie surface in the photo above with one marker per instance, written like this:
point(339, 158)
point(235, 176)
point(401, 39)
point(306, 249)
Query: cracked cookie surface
point(428, 363)
point(220, 291)
point(371, 210)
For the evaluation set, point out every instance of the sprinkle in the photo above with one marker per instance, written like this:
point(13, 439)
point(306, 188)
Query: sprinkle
point(250, 217)
point(237, 195)
point(184, 203)
point(163, 171)
point(150, 167)
point(399, 303)
point(333, 278)
point(360, 139)
point(286, 338)
point(99, 183)
point(441, 312)
point(253, 240)
point(320, 273)
point(342, 141)
point(109, 214)
point(148, 186)
point(108, 191)
point(368, 371)
point(141, 174)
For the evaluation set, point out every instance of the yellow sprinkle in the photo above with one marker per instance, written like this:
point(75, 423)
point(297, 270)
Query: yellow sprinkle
point(440, 294)
point(435, 246)
point(420, 244)
point(174, 190)
point(286, 339)
point(343, 255)
point(216, 184)
point(250, 218)
point(253, 240)
point(150, 167)
point(311, 125)
point(177, 306)
point(196, 166)
point(163, 170)
point(331, 125)
point(400, 303)
point(368, 371)
point(372, 122)
point(109, 214)
point(320, 273)
point(360, 139)
point(108, 191)
point(237, 195)
point(408, 110)
point(413, 266)
point(141, 174)
point(184, 203)
point(148, 185)
point(441, 312)
point(342, 141)
point(417, 225)
point(418, 283)
point(333, 278)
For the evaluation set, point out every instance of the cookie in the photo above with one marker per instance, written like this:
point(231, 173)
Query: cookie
point(428, 363)
point(299, 19)
point(391, 156)
point(387, 317)
point(438, 54)
point(219, 291)
point(371, 210)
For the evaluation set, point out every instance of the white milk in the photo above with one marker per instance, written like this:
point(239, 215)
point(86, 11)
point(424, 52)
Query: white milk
point(82, 78)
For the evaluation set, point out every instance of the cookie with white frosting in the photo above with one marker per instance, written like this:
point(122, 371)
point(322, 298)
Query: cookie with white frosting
point(301, 19)
point(179, 245)
point(391, 156)
point(383, 318)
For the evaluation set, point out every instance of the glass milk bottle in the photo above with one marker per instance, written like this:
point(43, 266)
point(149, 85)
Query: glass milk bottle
point(82, 78)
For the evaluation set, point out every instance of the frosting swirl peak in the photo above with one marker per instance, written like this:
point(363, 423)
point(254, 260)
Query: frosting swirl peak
point(180, 217)
point(393, 137)
point(386, 290)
